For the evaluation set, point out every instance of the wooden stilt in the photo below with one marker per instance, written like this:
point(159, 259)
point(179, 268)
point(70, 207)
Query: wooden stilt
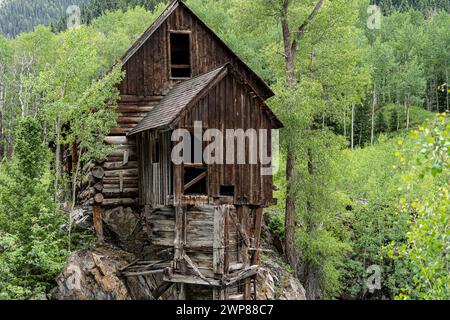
point(98, 224)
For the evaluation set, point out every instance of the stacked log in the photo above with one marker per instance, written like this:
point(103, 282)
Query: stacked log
point(114, 181)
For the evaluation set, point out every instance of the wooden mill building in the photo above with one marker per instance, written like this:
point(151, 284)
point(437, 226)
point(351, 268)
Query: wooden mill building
point(204, 220)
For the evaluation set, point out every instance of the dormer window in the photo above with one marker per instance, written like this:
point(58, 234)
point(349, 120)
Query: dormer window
point(180, 54)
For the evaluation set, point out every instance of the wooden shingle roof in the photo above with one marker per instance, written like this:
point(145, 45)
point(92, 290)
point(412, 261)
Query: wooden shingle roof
point(177, 100)
point(185, 94)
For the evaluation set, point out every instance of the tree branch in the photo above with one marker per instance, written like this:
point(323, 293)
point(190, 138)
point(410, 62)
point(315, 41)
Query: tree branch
point(302, 28)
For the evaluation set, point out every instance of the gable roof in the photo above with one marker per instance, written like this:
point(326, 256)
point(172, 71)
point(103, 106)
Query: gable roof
point(163, 17)
point(185, 94)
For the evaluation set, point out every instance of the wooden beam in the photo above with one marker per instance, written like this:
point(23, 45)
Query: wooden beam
point(142, 273)
point(161, 289)
point(257, 235)
point(98, 223)
point(194, 267)
point(179, 241)
point(240, 229)
point(243, 275)
point(178, 278)
point(219, 238)
point(194, 181)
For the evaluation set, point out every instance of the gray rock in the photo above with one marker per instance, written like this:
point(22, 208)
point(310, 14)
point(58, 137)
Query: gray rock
point(93, 275)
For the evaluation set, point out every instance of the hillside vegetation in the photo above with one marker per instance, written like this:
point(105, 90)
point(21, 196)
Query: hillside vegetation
point(363, 200)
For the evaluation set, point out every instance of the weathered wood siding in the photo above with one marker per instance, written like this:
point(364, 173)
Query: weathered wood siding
point(231, 105)
point(155, 175)
point(147, 72)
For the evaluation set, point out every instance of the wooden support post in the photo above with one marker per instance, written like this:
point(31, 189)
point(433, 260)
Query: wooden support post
point(98, 223)
point(219, 247)
point(244, 251)
point(161, 289)
point(177, 184)
point(257, 235)
point(219, 239)
point(181, 292)
point(180, 238)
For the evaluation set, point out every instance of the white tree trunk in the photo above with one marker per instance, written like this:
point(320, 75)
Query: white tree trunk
point(374, 102)
point(353, 127)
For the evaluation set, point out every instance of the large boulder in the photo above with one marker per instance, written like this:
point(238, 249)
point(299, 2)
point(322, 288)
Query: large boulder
point(124, 229)
point(93, 275)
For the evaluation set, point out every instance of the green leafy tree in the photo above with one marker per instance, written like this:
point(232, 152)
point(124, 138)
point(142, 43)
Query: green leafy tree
point(32, 241)
point(426, 250)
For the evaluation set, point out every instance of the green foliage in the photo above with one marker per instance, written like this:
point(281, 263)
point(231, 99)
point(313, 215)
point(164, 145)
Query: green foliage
point(352, 210)
point(426, 250)
point(370, 180)
point(32, 243)
point(400, 214)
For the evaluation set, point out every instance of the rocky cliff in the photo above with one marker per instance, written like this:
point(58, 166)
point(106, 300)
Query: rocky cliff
point(98, 273)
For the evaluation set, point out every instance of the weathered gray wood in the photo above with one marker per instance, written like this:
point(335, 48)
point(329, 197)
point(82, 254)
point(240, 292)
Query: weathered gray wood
point(98, 172)
point(219, 238)
point(119, 141)
point(119, 173)
point(257, 235)
point(161, 289)
point(239, 227)
point(142, 273)
point(236, 267)
point(98, 186)
point(119, 202)
point(120, 165)
point(195, 268)
point(99, 198)
point(243, 275)
point(178, 278)
point(179, 241)
point(117, 192)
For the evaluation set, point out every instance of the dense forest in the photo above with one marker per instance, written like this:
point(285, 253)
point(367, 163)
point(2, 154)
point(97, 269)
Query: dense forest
point(17, 16)
point(365, 149)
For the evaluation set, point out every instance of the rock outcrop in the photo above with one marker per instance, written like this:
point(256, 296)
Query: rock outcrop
point(93, 275)
point(275, 279)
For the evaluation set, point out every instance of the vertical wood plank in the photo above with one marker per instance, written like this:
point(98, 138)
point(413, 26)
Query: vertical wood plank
point(219, 239)
point(98, 223)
